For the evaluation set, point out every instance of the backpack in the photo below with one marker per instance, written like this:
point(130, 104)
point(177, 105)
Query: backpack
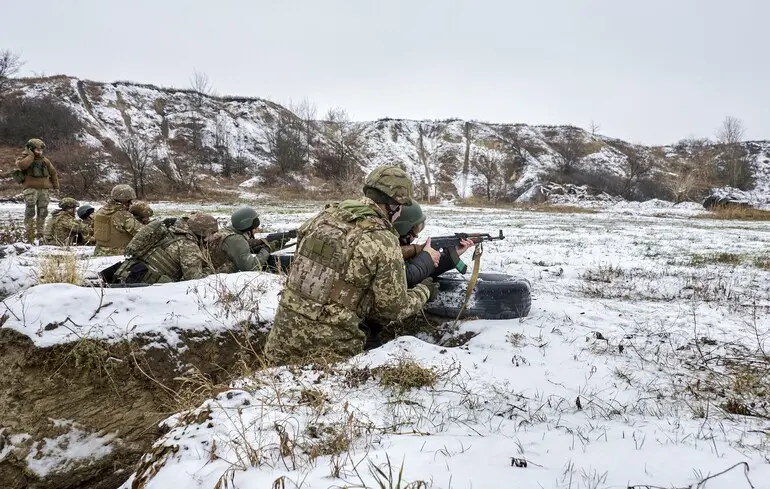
point(148, 237)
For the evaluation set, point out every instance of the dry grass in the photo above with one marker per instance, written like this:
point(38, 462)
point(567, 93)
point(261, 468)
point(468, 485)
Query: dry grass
point(12, 232)
point(406, 374)
point(61, 268)
point(736, 213)
point(698, 260)
point(761, 262)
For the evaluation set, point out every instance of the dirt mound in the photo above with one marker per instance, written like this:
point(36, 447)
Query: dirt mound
point(80, 415)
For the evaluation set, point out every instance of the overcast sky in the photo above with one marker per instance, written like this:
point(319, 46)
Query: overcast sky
point(648, 71)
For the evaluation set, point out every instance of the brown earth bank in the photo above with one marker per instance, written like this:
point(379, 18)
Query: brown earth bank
point(114, 393)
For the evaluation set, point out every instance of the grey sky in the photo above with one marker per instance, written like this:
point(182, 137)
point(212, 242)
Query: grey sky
point(649, 71)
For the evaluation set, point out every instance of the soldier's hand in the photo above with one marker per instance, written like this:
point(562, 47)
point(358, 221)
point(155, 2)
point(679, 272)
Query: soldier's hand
point(431, 285)
point(434, 255)
point(465, 245)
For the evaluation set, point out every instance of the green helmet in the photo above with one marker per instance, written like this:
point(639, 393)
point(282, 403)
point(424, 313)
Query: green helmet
point(202, 224)
point(411, 217)
point(244, 218)
point(84, 211)
point(35, 143)
point(392, 183)
point(68, 203)
point(122, 193)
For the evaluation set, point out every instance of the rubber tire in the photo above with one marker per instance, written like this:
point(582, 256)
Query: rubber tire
point(495, 296)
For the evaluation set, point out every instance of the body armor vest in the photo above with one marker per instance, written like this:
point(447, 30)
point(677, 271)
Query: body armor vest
point(106, 233)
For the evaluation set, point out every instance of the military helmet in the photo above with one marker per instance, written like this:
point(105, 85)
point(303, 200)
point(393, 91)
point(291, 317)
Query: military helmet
point(122, 193)
point(202, 224)
point(141, 209)
point(35, 143)
point(68, 203)
point(84, 211)
point(411, 218)
point(392, 182)
point(244, 218)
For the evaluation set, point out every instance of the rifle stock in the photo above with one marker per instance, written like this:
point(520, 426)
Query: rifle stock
point(282, 238)
point(445, 242)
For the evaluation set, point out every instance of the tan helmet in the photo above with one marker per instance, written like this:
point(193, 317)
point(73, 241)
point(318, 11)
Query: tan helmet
point(390, 181)
point(122, 193)
point(68, 203)
point(35, 143)
point(202, 224)
point(141, 210)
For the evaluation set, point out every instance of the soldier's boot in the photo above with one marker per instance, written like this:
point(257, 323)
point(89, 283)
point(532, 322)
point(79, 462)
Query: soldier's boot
point(29, 226)
point(40, 229)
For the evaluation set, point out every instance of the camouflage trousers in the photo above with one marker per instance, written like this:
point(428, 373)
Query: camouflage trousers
point(36, 201)
point(293, 340)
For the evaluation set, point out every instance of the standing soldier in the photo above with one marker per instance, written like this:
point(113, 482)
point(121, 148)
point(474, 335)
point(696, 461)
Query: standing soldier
point(114, 225)
point(62, 229)
point(229, 248)
point(347, 269)
point(37, 175)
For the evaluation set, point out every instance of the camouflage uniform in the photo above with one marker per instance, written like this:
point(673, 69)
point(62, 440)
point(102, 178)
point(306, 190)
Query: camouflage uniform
point(142, 211)
point(62, 229)
point(230, 252)
point(39, 177)
point(114, 226)
point(176, 256)
point(348, 268)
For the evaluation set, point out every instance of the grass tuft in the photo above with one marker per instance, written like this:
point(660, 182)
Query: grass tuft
point(698, 260)
point(736, 213)
point(61, 268)
point(406, 374)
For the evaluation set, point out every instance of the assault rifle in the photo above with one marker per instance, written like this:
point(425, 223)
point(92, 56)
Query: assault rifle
point(440, 243)
point(282, 238)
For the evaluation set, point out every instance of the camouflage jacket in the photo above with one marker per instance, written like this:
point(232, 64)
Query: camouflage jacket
point(63, 229)
point(348, 268)
point(38, 172)
point(176, 257)
point(114, 226)
point(230, 252)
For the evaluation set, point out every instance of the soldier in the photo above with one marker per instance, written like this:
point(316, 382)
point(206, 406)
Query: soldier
point(85, 214)
point(422, 261)
point(142, 211)
point(114, 225)
point(347, 269)
point(62, 229)
point(160, 254)
point(230, 248)
point(37, 175)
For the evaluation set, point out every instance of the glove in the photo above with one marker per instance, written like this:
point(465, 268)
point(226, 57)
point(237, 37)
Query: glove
point(431, 285)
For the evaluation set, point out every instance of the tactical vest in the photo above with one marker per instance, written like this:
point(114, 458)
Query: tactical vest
point(220, 262)
point(105, 233)
point(38, 169)
point(319, 272)
point(58, 233)
point(159, 260)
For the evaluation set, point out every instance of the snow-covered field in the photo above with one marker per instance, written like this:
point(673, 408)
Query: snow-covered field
point(646, 346)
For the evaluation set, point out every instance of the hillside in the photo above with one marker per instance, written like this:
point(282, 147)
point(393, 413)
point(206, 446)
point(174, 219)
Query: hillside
point(187, 135)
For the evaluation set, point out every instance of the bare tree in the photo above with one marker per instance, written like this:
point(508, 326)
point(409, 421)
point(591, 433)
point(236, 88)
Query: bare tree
point(637, 165)
point(339, 161)
point(201, 86)
point(136, 154)
point(286, 148)
point(307, 112)
point(10, 64)
point(571, 149)
point(595, 127)
point(733, 162)
point(516, 155)
point(488, 167)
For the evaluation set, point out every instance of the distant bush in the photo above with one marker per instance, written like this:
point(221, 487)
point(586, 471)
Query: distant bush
point(44, 118)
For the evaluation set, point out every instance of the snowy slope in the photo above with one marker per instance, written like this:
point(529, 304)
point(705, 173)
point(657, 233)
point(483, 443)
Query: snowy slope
point(434, 152)
point(632, 315)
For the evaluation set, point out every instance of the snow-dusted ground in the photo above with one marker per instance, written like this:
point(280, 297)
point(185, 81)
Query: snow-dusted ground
point(645, 326)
